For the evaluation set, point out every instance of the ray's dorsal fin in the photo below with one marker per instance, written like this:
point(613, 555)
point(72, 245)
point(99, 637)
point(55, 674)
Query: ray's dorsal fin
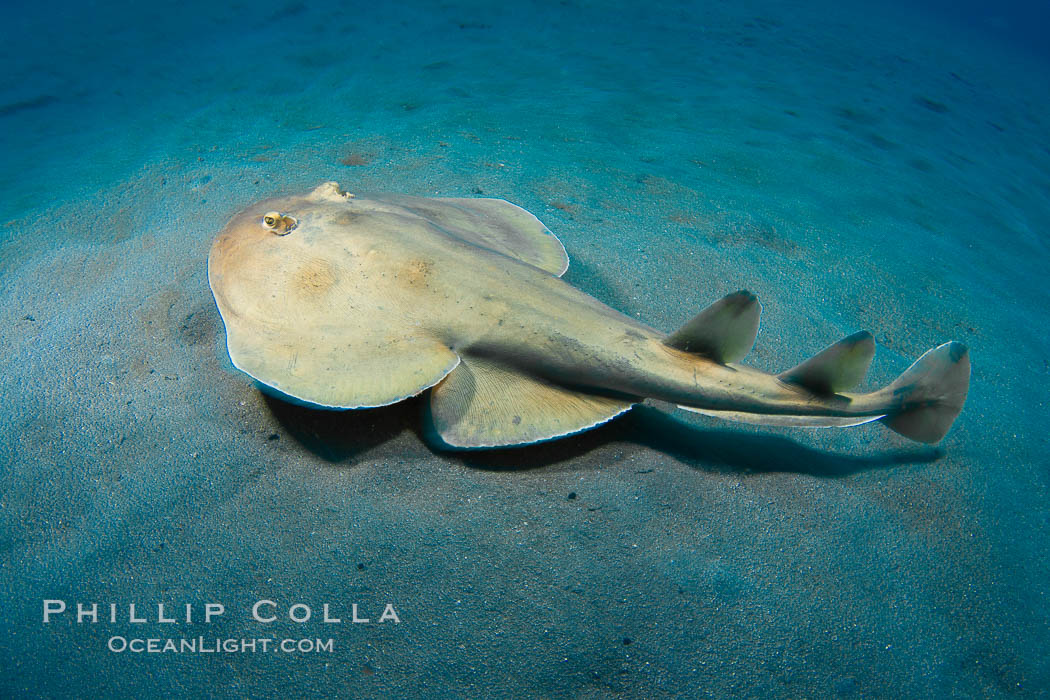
point(837, 368)
point(483, 404)
point(495, 224)
point(724, 332)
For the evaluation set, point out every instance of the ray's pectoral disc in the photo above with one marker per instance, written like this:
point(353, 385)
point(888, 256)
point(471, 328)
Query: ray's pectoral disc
point(344, 302)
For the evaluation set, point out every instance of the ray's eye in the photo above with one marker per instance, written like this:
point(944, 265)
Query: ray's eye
point(280, 224)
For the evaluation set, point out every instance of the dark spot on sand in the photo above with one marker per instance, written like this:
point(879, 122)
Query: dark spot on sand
point(766, 22)
point(880, 141)
point(273, 436)
point(361, 566)
point(287, 11)
point(28, 317)
point(570, 209)
point(517, 420)
point(684, 219)
point(856, 116)
point(921, 165)
point(847, 685)
point(627, 641)
point(355, 159)
point(932, 105)
point(196, 327)
point(571, 496)
point(478, 190)
point(34, 103)
point(754, 231)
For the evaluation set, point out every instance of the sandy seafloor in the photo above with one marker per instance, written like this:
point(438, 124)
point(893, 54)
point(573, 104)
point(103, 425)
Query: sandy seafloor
point(856, 168)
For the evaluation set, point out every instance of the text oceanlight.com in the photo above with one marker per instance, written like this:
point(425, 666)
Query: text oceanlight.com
point(202, 645)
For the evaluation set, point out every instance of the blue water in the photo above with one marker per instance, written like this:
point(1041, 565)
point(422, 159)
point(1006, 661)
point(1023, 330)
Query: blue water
point(856, 165)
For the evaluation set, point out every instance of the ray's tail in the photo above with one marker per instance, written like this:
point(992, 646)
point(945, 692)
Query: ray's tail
point(921, 404)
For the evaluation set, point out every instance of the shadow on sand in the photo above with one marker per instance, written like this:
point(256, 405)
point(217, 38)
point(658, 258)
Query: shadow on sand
point(339, 436)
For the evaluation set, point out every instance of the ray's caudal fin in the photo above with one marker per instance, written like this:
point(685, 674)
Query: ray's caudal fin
point(930, 393)
point(921, 404)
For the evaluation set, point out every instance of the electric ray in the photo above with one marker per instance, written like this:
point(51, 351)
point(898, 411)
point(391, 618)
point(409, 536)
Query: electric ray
point(340, 302)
